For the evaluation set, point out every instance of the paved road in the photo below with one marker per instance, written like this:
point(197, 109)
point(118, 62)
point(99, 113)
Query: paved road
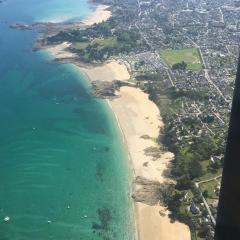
point(204, 200)
point(207, 206)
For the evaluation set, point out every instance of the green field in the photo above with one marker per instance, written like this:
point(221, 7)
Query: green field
point(105, 42)
point(210, 187)
point(189, 56)
point(80, 45)
point(101, 43)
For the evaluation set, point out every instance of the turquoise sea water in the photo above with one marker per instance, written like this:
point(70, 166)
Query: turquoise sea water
point(63, 167)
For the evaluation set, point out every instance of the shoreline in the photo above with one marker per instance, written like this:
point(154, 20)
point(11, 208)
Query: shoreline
point(148, 221)
point(100, 14)
point(142, 119)
point(131, 170)
point(150, 224)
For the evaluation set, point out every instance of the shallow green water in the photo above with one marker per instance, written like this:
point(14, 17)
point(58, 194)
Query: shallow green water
point(63, 167)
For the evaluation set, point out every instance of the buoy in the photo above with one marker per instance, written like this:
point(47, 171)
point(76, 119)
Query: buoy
point(7, 219)
point(68, 207)
point(85, 216)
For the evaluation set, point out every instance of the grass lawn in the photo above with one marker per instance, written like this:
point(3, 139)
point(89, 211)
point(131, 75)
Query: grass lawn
point(166, 105)
point(80, 45)
point(101, 42)
point(205, 164)
point(210, 187)
point(189, 56)
point(105, 42)
point(210, 175)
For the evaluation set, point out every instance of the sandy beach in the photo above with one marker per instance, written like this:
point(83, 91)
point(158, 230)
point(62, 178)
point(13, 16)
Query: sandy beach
point(60, 51)
point(138, 116)
point(140, 122)
point(109, 71)
point(99, 15)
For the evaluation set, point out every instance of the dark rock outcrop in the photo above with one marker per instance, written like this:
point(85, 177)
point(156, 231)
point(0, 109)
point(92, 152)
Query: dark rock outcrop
point(146, 191)
point(106, 89)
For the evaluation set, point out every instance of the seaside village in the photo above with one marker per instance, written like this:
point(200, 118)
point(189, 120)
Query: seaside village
point(183, 53)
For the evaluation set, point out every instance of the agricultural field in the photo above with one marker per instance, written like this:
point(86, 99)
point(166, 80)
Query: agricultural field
point(190, 56)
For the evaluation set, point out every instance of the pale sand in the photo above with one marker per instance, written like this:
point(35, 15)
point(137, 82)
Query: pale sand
point(152, 226)
point(59, 51)
point(139, 116)
point(99, 15)
point(109, 71)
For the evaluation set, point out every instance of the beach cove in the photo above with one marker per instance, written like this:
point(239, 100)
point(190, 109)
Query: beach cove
point(140, 122)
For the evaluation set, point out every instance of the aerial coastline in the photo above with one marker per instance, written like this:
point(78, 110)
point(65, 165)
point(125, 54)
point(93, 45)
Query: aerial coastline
point(70, 178)
point(167, 84)
point(140, 122)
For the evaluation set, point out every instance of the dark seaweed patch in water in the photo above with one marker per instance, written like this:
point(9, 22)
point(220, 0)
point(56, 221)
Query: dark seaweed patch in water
point(104, 216)
point(102, 229)
point(107, 149)
point(104, 150)
point(68, 99)
point(100, 171)
point(67, 91)
point(60, 89)
point(77, 110)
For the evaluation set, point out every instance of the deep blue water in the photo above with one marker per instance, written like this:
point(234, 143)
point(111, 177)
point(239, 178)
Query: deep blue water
point(63, 167)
